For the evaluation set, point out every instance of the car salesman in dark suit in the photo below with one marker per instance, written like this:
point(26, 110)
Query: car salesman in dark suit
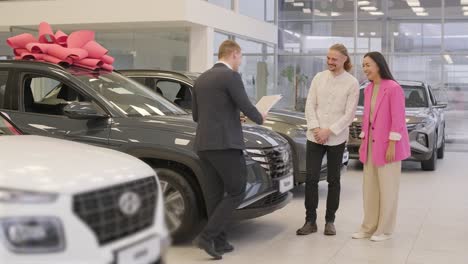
point(218, 98)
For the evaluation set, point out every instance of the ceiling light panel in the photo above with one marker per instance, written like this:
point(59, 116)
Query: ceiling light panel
point(418, 9)
point(369, 8)
point(413, 3)
point(363, 3)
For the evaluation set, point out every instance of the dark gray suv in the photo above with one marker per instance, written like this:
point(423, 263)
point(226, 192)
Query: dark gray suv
point(425, 121)
point(112, 111)
point(292, 125)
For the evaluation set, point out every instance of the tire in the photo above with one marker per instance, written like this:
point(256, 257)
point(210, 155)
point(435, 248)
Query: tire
point(441, 150)
point(430, 164)
point(182, 211)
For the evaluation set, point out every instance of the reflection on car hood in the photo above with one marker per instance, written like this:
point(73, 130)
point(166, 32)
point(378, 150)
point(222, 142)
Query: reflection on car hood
point(254, 136)
point(417, 112)
point(287, 116)
point(410, 112)
point(413, 114)
point(45, 164)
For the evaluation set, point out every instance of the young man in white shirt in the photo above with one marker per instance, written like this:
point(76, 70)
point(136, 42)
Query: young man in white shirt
point(330, 109)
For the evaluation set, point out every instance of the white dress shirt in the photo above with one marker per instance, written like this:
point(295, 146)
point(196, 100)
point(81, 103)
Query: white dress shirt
point(225, 63)
point(331, 103)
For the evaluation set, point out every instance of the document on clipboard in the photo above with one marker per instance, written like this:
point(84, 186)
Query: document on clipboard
point(267, 102)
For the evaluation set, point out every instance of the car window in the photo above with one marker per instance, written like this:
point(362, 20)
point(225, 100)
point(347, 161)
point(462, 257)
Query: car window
point(415, 96)
point(176, 92)
point(169, 89)
point(128, 96)
point(6, 128)
point(45, 95)
point(3, 82)
point(140, 79)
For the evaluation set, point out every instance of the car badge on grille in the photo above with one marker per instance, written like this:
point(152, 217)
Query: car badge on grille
point(129, 203)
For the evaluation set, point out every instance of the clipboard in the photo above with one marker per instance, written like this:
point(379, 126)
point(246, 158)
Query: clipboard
point(267, 102)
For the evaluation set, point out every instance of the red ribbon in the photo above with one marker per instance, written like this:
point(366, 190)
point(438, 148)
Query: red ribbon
point(79, 48)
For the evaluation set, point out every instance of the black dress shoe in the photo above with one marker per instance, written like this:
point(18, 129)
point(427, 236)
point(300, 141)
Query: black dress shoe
point(208, 247)
point(307, 229)
point(223, 246)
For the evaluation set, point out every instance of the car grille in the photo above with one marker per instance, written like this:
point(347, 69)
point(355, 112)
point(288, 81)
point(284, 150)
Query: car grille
point(271, 199)
point(100, 210)
point(355, 130)
point(276, 161)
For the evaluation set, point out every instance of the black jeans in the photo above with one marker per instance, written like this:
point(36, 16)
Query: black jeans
point(229, 166)
point(315, 154)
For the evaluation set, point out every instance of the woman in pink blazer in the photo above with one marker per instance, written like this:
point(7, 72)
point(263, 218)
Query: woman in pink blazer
point(385, 143)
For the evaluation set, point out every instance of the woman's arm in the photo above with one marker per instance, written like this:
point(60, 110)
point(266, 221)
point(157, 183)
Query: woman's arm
point(397, 113)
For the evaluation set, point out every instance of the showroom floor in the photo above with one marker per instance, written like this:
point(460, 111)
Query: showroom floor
point(432, 225)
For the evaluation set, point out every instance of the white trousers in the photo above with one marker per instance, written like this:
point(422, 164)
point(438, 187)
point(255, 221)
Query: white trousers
point(380, 193)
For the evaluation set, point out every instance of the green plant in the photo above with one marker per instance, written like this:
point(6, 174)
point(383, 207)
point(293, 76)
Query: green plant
point(297, 79)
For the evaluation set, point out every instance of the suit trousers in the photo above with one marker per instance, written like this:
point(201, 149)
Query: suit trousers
point(229, 167)
point(380, 194)
point(315, 154)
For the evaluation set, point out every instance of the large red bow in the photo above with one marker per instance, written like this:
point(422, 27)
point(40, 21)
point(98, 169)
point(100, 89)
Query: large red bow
point(78, 49)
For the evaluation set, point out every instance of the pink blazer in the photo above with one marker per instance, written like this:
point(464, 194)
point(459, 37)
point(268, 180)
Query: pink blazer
point(389, 122)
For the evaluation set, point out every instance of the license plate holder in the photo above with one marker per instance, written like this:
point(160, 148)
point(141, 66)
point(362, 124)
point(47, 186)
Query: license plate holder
point(144, 252)
point(345, 157)
point(286, 184)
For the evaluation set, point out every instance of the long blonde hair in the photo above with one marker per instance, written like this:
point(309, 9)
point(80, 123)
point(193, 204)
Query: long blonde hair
point(343, 50)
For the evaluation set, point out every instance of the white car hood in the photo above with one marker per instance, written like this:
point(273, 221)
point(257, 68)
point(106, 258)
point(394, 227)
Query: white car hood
point(45, 164)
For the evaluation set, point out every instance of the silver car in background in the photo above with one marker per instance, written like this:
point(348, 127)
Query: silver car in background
point(425, 121)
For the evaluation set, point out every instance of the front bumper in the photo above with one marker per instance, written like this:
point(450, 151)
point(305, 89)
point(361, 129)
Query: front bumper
point(82, 246)
point(267, 205)
point(419, 152)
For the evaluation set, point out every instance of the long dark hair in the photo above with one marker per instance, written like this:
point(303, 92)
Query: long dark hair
point(384, 70)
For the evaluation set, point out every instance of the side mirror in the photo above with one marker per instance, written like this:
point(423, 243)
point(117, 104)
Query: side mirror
point(82, 110)
point(441, 105)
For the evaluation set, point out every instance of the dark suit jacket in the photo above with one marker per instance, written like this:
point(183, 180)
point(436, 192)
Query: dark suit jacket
point(218, 97)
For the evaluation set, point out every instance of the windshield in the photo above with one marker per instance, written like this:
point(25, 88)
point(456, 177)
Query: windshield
point(128, 96)
point(415, 96)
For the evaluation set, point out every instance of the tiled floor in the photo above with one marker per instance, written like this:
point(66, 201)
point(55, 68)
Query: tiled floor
point(432, 225)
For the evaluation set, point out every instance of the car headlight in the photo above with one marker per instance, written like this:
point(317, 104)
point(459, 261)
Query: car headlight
point(428, 122)
point(422, 139)
point(19, 196)
point(29, 235)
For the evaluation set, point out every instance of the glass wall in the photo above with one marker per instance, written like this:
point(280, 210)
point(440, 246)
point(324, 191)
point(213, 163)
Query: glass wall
point(259, 9)
point(258, 65)
point(163, 48)
point(422, 40)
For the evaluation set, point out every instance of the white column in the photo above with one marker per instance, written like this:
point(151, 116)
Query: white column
point(201, 48)
point(235, 6)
